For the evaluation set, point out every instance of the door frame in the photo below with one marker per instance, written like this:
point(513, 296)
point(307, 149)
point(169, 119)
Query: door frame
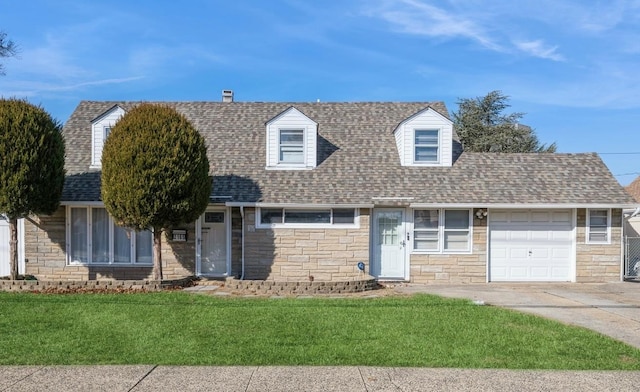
point(227, 224)
point(21, 246)
point(406, 255)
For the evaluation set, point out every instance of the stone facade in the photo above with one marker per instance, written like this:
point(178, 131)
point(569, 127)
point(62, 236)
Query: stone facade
point(454, 268)
point(598, 262)
point(297, 254)
point(293, 254)
point(45, 255)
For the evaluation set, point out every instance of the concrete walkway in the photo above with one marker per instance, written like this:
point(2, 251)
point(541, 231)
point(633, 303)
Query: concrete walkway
point(612, 309)
point(266, 379)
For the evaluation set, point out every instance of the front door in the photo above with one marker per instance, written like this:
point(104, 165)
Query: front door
point(213, 260)
point(5, 268)
point(389, 244)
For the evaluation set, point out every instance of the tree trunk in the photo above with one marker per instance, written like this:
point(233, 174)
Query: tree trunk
point(157, 255)
point(13, 248)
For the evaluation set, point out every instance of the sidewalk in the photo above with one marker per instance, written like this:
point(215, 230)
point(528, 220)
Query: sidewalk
point(266, 379)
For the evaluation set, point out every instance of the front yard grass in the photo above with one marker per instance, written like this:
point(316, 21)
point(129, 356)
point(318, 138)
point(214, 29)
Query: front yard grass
point(175, 328)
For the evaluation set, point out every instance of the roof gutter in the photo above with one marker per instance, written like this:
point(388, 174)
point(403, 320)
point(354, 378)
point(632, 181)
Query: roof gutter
point(298, 205)
point(518, 206)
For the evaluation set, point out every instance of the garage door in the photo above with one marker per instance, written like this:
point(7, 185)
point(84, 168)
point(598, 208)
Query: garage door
point(530, 245)
point(4, 247)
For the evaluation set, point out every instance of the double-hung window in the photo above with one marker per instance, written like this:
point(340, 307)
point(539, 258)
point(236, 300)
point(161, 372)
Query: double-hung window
point(291, 146)
point(426, 143)
point(441, 230)
point(598, 223)
point(95, 239)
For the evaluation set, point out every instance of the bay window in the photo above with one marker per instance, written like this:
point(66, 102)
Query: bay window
point(93, 238)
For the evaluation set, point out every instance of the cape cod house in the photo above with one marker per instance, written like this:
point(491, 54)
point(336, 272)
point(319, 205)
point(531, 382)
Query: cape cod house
point(311, 190)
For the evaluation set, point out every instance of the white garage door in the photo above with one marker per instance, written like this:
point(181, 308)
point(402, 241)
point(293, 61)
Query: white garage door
point(530, 245)
point(4, 247)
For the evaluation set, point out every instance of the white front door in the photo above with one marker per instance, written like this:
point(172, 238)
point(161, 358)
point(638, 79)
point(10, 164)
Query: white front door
point(5, 236)
point(388, 244)
point(214, 254)
point(5, 269)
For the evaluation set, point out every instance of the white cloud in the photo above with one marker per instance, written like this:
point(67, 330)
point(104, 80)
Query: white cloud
point(420, 18)
point(24, 88)
point(537, 48)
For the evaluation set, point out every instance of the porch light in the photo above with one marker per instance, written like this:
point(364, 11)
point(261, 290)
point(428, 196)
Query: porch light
point(481, 213)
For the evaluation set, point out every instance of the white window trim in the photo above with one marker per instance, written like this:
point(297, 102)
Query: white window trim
point(588, 226)
point(441, 231)
point(354, 225)
point(413, 148)
point(89, 262)
point(106, 133)
point(304, 147)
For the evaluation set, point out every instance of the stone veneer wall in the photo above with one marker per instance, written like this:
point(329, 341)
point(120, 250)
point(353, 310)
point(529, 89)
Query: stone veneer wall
point(291, 254)
point(45, 254)
point(598, 262)
point(454, 268)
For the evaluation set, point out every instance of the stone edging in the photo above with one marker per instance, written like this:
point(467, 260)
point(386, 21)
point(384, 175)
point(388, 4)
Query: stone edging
point(301, 288)
point(63, 286)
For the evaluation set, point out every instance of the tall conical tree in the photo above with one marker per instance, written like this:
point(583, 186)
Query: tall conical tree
point(31, 166)
point(155, 173)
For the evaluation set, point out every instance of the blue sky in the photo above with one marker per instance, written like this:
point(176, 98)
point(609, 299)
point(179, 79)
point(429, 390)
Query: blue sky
point(572, 66)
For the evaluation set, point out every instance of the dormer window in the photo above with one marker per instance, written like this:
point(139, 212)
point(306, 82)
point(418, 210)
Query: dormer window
point(425, 139)
point(106, 132)
point(426, 145)
point(291, 146)
point(100, 130)
point(292, 141)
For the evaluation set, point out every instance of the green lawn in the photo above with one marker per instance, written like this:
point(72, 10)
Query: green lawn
point(185, 329)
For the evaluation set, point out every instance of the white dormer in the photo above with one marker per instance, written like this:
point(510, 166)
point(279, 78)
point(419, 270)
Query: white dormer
point(291, 141)
point(100, 129)
point(425, 139)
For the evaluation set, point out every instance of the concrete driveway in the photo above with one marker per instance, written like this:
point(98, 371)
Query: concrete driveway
point(612, 309)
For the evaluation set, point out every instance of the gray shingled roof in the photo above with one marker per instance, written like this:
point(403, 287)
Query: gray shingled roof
point(358, 161)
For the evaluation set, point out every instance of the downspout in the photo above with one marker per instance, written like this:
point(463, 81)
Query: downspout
point(242, 241)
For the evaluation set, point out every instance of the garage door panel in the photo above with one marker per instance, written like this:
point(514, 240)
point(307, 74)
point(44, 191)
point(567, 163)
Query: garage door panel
point(531, 245)
point(517, 272)
point(540, 253)
point(518, 253)
point(540, 216)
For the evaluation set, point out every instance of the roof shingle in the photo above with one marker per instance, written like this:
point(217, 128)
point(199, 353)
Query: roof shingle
point(358, 161)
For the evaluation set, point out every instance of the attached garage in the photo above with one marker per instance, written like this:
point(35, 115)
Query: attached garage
point(531, 245)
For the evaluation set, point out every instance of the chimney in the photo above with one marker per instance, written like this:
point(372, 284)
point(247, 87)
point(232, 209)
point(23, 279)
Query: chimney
point(227, 95)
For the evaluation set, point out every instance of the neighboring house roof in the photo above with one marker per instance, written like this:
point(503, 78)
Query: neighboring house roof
point(358, 162)
point(634, 189)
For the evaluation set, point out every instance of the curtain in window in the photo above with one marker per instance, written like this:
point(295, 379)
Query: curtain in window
point(144, 251)
point(100, 235)
point(79, 235)
point(121, 245)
